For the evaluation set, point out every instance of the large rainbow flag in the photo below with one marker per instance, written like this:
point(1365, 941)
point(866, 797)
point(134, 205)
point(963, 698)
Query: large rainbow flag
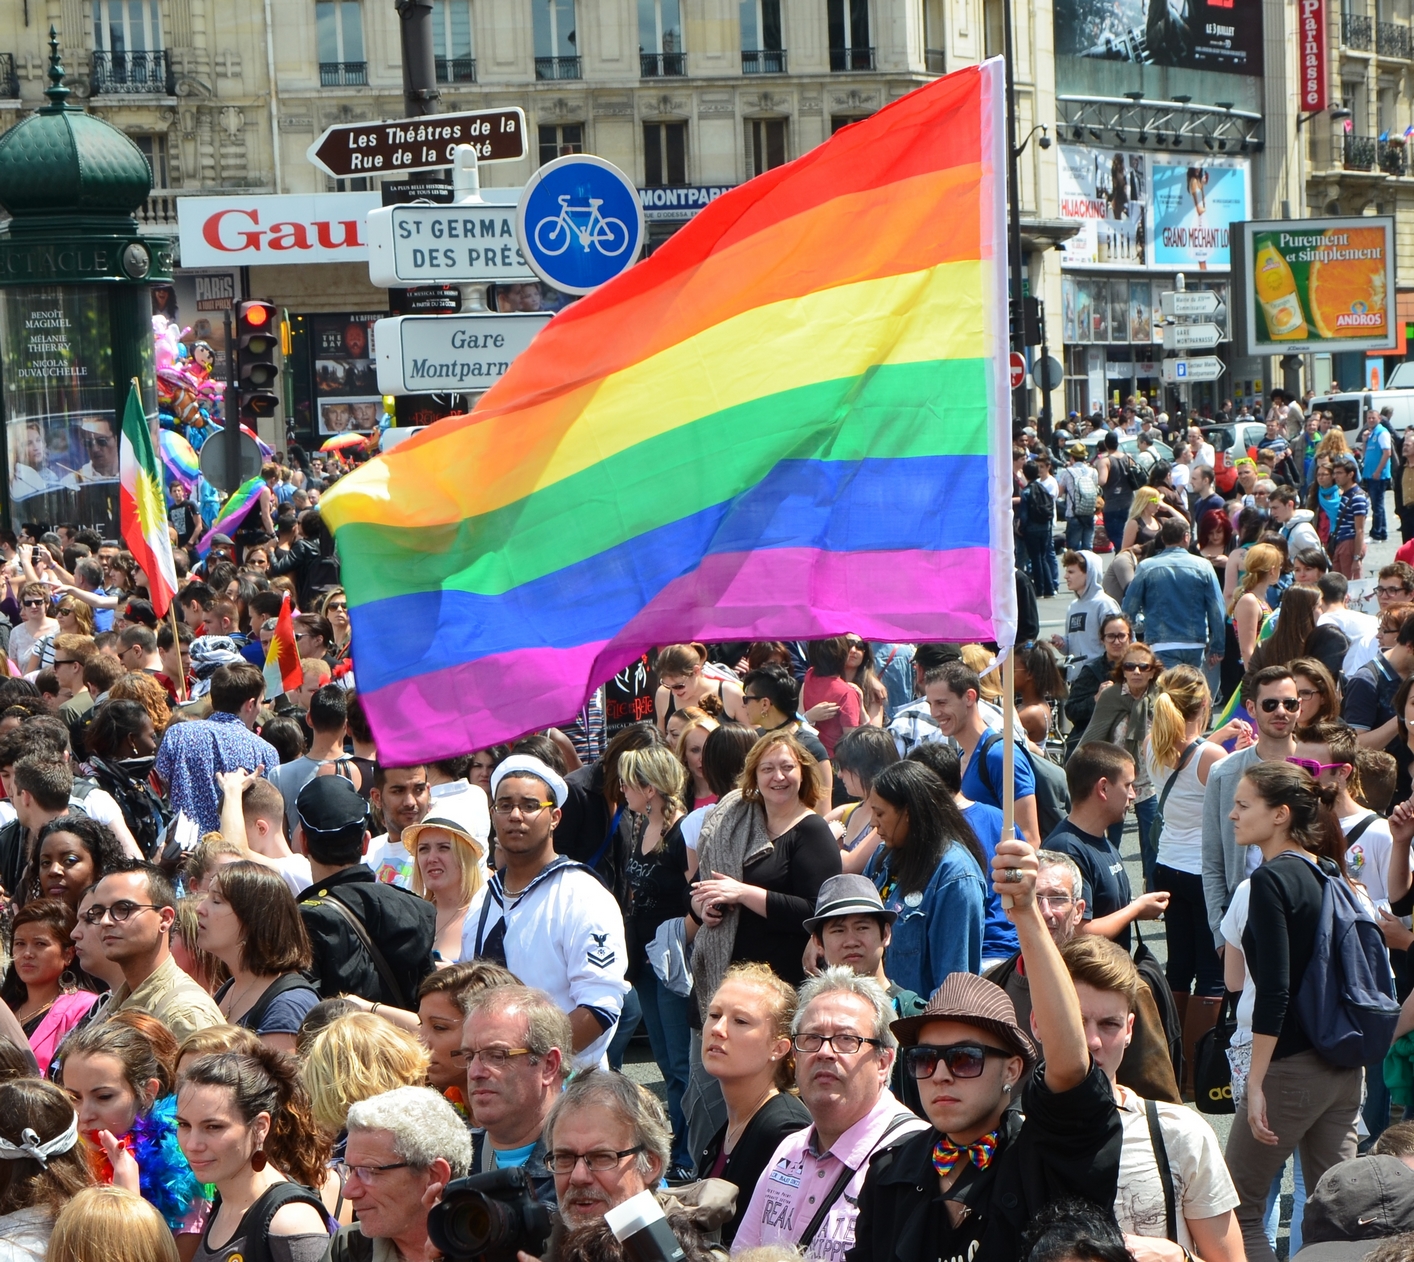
point(790, 421)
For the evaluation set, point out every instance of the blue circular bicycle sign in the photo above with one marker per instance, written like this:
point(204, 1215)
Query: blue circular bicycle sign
point(580, 223)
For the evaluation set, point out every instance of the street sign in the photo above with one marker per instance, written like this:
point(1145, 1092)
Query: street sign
point(1018, 369)
point(1049, 373)
point(216, 466)
point(461, 243)
point(1179, 337)
point(1199, 368)
point(428, 354)
point(1190, 302)
point(418, 144)
point(580, 223)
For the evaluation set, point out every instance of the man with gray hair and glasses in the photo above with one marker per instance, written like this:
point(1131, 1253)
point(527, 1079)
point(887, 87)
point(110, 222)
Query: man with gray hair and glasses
point(400, 1144)
point(517, 1049)
point(844, 1055)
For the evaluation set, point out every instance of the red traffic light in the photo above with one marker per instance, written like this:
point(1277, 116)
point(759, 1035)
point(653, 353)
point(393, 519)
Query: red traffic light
point(256, 315)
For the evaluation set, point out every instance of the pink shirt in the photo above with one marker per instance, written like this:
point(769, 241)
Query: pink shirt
point(818, 688)
point(789, 1193)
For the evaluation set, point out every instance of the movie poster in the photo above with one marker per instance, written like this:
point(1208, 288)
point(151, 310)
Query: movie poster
point(346, 394)
point(1221, 35)
point(1106, 192)
point(1196, 200)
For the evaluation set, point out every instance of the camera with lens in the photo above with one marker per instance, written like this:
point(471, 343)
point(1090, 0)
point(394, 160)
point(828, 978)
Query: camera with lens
point(489, 1217)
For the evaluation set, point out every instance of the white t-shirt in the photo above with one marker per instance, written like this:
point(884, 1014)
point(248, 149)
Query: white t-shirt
point(390, 862)
point(295, 870)
point(1202, 1187)
point(1367, 860)
point(692, 822)
point(1234, 923)
point(1181, 476)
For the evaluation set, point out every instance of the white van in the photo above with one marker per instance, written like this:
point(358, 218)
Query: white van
point(1349, 408)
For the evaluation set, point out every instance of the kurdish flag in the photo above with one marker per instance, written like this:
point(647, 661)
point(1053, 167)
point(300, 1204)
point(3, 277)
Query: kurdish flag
point(142, 512)
point(283, 672)
point(791, 421)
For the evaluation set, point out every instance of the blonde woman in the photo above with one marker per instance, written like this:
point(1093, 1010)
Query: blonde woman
point(1180, 760)
point(354, 1058)
point(103, 1223)
point(653, 782)
point(981, 661)
point(1146, 514)
point(689, 751)
point(1248, 608)
point(449, 868)
point(682, 683)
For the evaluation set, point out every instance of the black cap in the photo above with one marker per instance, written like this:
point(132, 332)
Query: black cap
point(330, 804)
point(141, 611)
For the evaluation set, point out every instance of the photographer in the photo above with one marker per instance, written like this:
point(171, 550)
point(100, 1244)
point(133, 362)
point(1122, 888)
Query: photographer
point(516, 1048)
point(400, 1144)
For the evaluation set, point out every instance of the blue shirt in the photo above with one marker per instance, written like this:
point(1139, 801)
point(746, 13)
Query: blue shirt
point(1377, 443)
point(192, 753)
point(974, 788)
point(999, 934)
point(505, 1158)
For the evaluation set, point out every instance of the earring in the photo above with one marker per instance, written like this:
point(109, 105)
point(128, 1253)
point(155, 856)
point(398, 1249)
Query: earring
point(258, 1160)
point(68, 983)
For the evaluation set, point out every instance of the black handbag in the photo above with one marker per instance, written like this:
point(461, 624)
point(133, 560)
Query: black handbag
point(1212, 1072)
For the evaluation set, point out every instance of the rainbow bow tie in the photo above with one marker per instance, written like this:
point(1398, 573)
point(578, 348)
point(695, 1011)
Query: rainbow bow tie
point(946, 1155)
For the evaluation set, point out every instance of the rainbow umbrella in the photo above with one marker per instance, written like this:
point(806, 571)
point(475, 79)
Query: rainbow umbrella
point(180, 458)
point(342, 442)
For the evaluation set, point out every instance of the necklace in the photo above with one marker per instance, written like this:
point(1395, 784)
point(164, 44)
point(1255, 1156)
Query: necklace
point(729, 1141)
point(235, 1001)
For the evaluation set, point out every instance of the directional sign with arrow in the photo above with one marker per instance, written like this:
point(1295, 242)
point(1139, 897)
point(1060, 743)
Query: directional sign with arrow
point(1190, 302)
point(1179, 337)
point(1199, 368)
point(419, 144)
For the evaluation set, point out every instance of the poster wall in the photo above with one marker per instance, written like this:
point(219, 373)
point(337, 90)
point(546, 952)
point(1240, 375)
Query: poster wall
point(345, 372)
point(1150, 211)
point(1316, 285)
point(1221, 35)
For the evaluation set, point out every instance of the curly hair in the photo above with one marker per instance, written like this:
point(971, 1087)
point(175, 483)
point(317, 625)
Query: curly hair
point(141, 687)
point(355, 1057)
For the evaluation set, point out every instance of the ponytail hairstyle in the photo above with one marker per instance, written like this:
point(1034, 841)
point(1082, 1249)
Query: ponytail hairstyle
point(657, 767)
point(1183, 696)
point(266, 1081)
point(1261, 559)
point(681, 659)
point(1313, 826)
point(141, 1060)
point(779, 999)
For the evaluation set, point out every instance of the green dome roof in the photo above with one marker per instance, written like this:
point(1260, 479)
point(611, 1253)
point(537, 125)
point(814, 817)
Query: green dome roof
point(62, 161)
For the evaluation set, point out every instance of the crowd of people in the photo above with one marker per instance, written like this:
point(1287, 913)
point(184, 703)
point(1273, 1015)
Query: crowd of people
point(268, 996)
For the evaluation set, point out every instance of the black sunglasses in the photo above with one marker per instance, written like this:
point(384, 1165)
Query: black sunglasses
point(964, 1060)
point(1290, 704)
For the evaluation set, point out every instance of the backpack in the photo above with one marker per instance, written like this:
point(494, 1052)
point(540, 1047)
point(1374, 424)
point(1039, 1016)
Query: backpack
point(1039, 504)
point(1133, 474)
point(1346, 1004)
point(1086, 490)
point(1052, 791)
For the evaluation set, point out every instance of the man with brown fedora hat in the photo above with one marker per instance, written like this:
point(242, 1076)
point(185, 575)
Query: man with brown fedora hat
point(967, 1187)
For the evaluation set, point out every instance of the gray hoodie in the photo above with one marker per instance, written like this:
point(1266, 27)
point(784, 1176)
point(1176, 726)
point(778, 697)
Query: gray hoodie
point(1086, 612)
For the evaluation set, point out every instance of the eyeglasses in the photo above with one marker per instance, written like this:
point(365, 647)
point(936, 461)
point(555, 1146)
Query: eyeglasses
point(840, 1044)
point(1290, 704)
point(1314, 767)
point(1139, 666)
point(1055, 900)
point(1116, 637)
point(337, 607)
point(746, 696)
point(526, 806)
point(1305, 694)
point(597, 1162)
point(491, 1057)
point(35, 604)
point(366, 1173)
point(69, 661)
point(964, 1060)
point(120, 912)
point(1384, 590)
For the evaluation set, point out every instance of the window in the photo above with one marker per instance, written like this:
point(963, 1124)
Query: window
point(762, 50)
point(849, 35)
point(127, 26)
point(554, 28)
point(664, 154)
point(354, 184)
point(154, 149)
point(934, 56)
point(660, 38)
point(451, 41)
point(339, 26)
point(993, 28)
point(557, 142)
point(765, 144)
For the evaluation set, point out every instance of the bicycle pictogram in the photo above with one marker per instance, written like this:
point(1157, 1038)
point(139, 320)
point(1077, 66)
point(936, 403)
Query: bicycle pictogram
point(586, 224)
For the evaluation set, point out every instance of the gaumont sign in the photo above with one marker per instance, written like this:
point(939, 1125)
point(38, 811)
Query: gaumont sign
point(291, 228)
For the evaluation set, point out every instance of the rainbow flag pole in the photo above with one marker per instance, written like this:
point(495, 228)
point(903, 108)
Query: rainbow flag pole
point(791, 421)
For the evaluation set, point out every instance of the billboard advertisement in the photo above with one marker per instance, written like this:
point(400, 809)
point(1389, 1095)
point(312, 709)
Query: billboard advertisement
point(1221, 35)
point(1315, 285)
point(1195, 203)
point(1107, 192)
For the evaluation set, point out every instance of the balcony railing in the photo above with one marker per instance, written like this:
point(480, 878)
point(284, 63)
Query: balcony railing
point(1391, 39)
point(456, 69)
point(1393, 159)
point(763, 61)
point(9, 80)
point(935, 60)
point(1360, 153)
point(557, 68)
point(134, 72)
point(160, 208)
point(343, 74)
point(661, 65)
point(1355, 32)
point(851, 59)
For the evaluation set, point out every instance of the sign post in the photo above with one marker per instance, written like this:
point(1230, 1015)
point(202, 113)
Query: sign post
point(580, 223)
point(460, 353)
point(418, 144)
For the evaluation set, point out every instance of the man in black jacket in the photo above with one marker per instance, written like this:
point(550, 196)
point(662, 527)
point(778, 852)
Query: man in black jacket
point(967, 1187)
point(369, 939)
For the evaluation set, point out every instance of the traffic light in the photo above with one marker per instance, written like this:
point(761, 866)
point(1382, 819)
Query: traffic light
point(1026, 322)
point(257, 338)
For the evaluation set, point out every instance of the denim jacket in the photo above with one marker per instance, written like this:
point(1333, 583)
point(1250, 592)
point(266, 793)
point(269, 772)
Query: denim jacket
point(1178, 596)
point(940, 931)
